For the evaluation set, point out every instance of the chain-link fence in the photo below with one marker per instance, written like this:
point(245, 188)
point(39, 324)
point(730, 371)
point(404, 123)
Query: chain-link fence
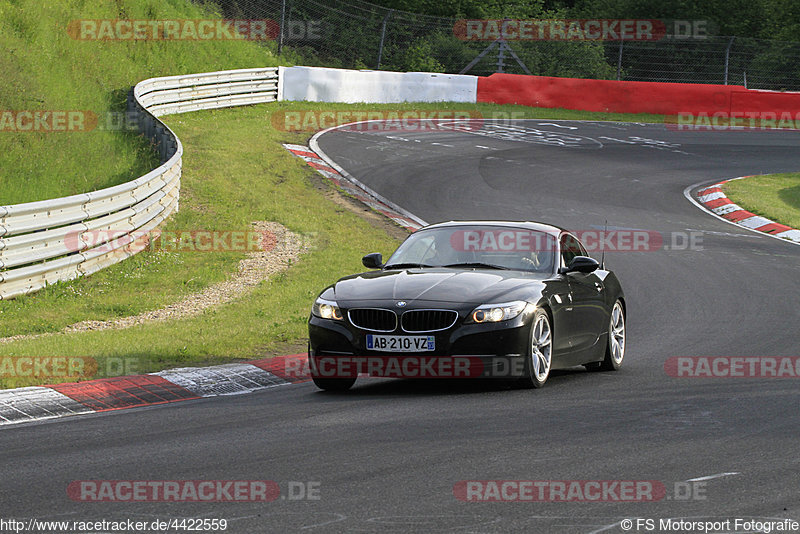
point(357, 34)
point(754, 63)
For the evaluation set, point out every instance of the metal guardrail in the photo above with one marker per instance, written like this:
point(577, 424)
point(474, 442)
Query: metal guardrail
point(45, 242)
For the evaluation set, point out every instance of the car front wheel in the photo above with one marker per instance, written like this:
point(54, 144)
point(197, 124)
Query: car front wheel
point(540, 351)
point(615, 349)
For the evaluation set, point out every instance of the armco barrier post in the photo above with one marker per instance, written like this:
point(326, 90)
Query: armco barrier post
point(158, 139)
point(141, 121)
point(383, 37)
point(130, 104)
point(283, 21)
point(151, 126)
point(172, 145)
point(727, 58)
point(166, 142)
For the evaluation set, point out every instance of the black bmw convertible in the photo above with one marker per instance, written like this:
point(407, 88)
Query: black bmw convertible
point(470, 299)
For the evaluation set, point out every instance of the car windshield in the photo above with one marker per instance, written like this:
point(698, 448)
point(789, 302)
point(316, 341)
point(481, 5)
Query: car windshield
point(476, 247)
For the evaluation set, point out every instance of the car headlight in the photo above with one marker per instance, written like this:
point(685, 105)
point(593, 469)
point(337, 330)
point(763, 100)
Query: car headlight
point(494, 313)
point(326, 309)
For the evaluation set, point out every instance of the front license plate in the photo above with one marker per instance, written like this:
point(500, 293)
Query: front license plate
point(401, 343)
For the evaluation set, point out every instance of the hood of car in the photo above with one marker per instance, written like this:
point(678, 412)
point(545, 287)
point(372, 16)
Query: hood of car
point(437, 284)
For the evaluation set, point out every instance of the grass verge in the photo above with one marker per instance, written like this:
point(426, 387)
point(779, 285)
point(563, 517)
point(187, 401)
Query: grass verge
point(774, 196)
point(46, 69)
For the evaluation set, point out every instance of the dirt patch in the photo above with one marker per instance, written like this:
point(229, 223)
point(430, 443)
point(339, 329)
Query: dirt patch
point(277, 256)
point(375, 219)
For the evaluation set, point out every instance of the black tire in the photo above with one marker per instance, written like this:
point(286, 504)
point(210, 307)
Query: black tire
point(539, 359)
point(334, 384)
point(615, 345)
point(328, 383)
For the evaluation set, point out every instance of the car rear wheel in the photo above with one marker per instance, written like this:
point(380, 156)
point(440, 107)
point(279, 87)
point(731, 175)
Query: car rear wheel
point(540, 351)
point(615, 350)
point(334, 384)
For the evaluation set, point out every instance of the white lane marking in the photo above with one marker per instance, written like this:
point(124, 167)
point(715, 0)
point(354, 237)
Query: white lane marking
point(557, 125)
point(618, 140)
point(486, 147)
point(443, 144)
point(655, 142)
point(513, 133)
point(605, 528)
point(648, 143)
point(712, 477)
point(728, 234)
point(338, 518)
point(408, 520)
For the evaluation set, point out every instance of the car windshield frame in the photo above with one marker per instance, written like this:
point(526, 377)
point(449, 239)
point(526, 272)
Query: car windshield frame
point(478, 246)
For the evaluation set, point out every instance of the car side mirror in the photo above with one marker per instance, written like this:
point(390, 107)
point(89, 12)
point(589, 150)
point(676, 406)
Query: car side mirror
point(581, 264)
point(373, 261)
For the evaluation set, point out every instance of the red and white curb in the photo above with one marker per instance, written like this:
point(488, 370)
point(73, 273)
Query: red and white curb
point(713, 199)
point(75, 398)
point(355, 189)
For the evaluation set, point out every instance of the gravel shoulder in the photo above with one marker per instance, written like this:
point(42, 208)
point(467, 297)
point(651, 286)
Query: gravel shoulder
point(281, 248)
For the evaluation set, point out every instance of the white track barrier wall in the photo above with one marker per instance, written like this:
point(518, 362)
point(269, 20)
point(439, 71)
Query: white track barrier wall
point(45, 242)
point(317, 84)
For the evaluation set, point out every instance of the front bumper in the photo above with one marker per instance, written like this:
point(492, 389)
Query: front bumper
point(496, 350)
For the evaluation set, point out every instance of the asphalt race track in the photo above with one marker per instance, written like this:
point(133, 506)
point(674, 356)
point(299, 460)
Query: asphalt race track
point(387, 454)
